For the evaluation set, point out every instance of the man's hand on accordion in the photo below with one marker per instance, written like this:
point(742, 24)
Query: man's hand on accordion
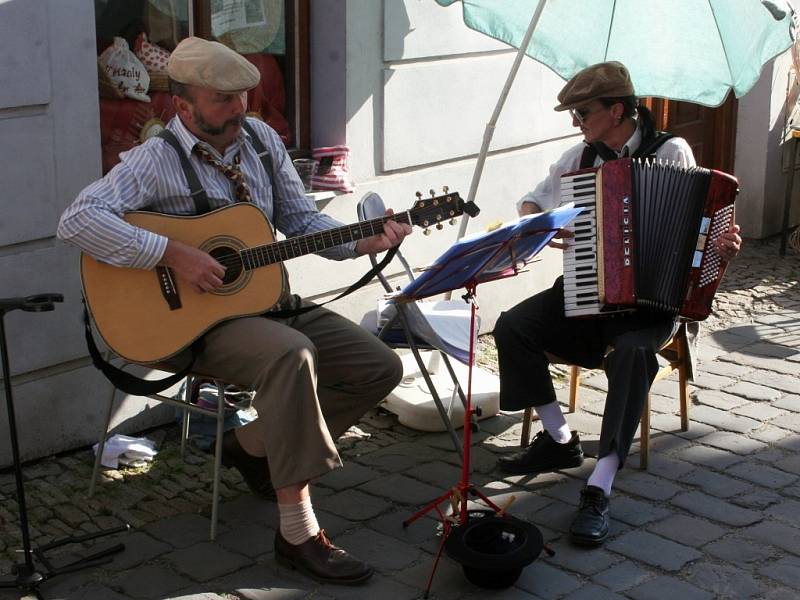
point(729, 243)
point(564, 234)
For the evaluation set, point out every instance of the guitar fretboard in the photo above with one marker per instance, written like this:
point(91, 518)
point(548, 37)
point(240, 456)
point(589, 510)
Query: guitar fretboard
point(261, 256)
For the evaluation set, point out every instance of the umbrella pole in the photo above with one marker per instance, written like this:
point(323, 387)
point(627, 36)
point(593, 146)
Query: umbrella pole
point(489, 131)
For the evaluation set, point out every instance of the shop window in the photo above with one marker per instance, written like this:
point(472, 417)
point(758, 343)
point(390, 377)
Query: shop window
point(135, 37)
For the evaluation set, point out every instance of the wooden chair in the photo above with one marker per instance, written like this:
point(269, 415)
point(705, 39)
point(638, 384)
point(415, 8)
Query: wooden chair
point(184, 403)
point(675, 352)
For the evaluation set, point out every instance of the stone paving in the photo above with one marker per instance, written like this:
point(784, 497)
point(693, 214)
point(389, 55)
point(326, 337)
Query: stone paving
point(715, 516)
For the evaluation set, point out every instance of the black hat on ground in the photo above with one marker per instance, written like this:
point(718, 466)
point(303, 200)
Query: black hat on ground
point(493, 549)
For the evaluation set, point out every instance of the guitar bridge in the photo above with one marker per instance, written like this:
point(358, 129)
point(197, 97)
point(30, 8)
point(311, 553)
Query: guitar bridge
point(169, 288)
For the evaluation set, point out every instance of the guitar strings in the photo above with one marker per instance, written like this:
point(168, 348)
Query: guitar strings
point(273, 249)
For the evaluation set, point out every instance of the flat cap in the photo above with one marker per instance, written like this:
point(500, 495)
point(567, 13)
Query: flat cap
point(196, 61)
point(603, 80)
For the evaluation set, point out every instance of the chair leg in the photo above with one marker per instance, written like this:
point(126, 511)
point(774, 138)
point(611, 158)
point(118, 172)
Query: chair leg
point(217, 458)
point(574, 384)
point(101, 444)
point(525, 438)
point(438, 402)
point(429, 382)
point(684, 396)
point(644, 435)
point(187, 398)
point(456, 385)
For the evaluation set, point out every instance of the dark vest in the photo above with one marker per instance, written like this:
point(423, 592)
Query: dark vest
point(647, 149)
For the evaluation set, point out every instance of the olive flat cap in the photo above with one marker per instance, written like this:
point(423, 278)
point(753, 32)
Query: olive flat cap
point(603, 80)
point(196, 61)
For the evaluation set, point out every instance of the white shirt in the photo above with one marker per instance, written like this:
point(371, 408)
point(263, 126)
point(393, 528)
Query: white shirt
point(547, 194)
point(150, 178)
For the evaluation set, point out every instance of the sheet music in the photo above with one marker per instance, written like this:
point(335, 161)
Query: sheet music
point(486, 256)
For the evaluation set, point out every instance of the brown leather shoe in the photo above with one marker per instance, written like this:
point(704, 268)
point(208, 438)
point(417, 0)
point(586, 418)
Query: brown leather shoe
point(320, 559)
point(254, 469)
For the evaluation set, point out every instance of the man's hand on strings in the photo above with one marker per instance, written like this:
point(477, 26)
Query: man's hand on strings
point(564, 234)
point(393, 234)
point(198, 268)
point(729, 243)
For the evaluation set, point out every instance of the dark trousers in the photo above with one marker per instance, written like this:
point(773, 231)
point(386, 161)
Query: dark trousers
point(624, 345)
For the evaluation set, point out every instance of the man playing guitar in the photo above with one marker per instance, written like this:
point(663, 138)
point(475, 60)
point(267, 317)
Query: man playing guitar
point(315, 373)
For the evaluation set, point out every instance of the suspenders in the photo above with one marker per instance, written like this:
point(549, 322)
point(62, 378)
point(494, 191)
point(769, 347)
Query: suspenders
point(197, 192)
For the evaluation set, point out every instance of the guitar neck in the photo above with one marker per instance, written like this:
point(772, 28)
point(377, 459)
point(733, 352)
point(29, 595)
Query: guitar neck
point(268, 254)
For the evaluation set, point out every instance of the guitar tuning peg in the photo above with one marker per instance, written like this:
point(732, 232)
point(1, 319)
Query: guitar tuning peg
point(452, 221)
point(419, 195)
point(439, 226)
point(432, 192)
point(426, 231)
point(445, 189)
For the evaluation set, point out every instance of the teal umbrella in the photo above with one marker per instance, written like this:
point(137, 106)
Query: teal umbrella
point(690, 50)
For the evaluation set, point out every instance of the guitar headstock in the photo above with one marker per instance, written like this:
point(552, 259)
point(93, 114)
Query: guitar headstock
point(438, 209)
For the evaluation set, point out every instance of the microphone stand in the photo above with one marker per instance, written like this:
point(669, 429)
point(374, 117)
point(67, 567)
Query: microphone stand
point(28, 576)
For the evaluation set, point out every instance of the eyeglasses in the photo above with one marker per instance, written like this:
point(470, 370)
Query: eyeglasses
point(581, 114)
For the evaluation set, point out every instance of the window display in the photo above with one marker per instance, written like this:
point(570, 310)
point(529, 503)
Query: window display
point(136, 37)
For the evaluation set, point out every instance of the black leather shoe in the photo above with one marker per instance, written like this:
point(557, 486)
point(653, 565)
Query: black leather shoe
point(543, 455)
point(320, 559)
point(590, 526)
point(254, 469)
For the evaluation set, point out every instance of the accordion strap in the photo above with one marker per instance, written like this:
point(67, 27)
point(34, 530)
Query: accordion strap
point(647, 149)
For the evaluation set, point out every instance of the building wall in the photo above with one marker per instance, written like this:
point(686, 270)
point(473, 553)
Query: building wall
point(779, 154)
point(761, 159)
point(419, 88)
point(49, 127)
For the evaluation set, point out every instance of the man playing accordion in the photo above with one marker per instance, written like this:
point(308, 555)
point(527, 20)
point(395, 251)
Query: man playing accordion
point(602, 103)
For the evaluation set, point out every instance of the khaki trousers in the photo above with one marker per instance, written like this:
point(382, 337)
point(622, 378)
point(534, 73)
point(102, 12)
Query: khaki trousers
point(314, 376)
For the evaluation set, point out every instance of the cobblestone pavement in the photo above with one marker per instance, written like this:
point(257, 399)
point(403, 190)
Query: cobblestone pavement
point(715, 516)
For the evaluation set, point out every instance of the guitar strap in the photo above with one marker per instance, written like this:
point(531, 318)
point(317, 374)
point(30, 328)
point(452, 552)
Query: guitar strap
point(130, 384)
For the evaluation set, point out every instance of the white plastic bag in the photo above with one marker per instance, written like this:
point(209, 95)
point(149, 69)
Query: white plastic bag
point(126, 71)
point(126, 450)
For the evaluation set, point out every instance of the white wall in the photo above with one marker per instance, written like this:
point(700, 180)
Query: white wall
point(420, 88)
point(759, 154)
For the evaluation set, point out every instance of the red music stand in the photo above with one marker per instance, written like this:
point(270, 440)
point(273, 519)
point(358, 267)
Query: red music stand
point(471, 261)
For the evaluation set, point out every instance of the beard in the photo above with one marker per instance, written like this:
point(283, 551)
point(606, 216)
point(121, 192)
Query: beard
point(209, 129)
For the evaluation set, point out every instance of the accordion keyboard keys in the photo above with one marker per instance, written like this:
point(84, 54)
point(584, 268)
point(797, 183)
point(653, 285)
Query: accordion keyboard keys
point(581, 286)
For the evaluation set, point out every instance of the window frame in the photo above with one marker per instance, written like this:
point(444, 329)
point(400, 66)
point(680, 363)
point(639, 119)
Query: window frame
point(298, 65)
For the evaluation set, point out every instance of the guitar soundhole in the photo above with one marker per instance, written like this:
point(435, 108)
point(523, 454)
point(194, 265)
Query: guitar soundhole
point(232, 261)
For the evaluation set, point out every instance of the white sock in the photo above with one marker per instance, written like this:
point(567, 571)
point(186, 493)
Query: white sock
point(554, 422)
point(604, 472)
point(298, 522)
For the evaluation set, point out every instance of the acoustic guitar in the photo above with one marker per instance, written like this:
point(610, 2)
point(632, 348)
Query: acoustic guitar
point(147, 316)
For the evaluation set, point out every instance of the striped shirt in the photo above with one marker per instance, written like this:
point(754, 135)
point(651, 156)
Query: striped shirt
point(150, 177)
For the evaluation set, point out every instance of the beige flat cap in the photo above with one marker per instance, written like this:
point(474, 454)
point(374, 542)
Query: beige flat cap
point(196, 61)
point(603, 80)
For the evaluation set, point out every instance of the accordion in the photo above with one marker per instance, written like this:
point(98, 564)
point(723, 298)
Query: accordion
point(645, 238)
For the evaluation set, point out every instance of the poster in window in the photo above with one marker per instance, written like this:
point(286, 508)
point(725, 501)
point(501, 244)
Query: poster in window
point(249, 26)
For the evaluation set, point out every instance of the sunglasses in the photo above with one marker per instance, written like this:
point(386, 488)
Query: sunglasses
point(581, 114)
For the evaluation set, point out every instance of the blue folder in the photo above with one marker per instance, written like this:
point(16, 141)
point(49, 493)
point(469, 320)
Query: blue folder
point(487, 256)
